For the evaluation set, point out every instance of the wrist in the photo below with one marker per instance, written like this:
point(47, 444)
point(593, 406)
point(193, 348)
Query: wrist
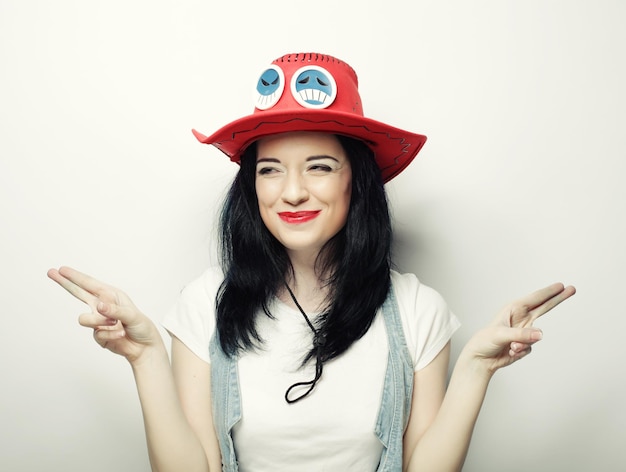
point(149, 355)
point(476, 367)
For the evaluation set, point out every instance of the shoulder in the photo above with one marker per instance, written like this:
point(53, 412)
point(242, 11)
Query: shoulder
point(205, 285)
point(192, 319)
point(427, 320)
point(410, 290)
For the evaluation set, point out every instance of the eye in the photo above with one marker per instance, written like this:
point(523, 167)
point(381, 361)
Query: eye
point(321, 168)
point(267, 170)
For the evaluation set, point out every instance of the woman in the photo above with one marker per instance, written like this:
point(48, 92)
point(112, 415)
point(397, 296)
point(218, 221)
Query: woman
point(305, 350)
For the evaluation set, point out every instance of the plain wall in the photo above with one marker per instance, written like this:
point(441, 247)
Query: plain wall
point(520, 184)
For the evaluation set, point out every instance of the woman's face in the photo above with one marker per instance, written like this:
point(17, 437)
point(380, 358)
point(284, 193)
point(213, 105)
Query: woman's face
point(303, 185)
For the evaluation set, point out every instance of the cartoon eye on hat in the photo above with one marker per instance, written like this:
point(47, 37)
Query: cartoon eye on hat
point(269, 87)
point(313, 87)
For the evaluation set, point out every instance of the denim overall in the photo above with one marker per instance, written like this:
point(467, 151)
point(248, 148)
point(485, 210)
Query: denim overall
point(394, 409)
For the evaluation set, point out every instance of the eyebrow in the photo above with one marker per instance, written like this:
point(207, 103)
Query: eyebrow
point(308, 159)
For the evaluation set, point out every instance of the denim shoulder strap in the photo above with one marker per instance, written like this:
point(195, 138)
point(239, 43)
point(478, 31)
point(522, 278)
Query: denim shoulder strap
point(393, 413)
point(395, 406)
point(226, 401)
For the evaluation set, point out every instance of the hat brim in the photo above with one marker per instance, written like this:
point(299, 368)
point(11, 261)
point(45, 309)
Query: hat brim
point(394, 148)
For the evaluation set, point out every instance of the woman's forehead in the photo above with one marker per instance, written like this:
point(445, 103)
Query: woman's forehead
point(300, 144)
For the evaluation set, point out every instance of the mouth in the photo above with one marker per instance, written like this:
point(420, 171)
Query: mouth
point(296, 217)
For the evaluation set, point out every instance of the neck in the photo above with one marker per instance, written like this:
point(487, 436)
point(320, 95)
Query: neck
point(305, 284)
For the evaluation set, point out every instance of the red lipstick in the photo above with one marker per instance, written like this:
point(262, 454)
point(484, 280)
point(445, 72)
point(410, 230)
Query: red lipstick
point(295, 217)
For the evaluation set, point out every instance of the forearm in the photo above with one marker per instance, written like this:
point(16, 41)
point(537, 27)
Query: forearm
point(172, 444)
point(443, 447)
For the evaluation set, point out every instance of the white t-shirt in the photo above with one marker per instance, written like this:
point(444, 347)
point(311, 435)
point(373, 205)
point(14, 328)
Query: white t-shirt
point(333, 428)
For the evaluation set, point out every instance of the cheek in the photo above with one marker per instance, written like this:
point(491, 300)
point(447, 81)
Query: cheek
point(347, 192)
point(264, 193)
point(347, 196)
point(342, 198)
point(264, 212)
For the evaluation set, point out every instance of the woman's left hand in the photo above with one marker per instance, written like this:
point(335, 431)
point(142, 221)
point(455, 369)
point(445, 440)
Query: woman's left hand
point(511, 335)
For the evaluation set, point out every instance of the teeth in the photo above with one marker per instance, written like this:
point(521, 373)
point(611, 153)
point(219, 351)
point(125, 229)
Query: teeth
point(264, 99)
point(313, 95)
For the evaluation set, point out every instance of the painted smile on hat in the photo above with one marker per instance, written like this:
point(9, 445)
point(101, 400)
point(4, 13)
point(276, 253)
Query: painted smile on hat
point(298, 217)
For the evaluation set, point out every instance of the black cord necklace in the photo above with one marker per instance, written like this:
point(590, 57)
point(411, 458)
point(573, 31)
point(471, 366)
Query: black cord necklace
point(317, 344)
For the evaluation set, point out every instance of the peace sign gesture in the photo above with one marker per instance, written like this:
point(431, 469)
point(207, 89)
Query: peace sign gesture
point(511, 335)
point(117, 323)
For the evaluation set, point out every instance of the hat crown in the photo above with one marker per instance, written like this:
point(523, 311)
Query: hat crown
point(318, 93)
point(300, 81)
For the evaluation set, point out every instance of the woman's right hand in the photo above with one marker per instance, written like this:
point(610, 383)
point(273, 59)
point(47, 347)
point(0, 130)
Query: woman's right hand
point(117, 323)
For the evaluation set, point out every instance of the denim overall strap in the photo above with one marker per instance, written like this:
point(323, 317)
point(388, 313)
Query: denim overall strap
point(395, 406)
point(226, 401)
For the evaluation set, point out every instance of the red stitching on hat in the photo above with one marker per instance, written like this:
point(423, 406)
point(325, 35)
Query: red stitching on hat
point(316, 57)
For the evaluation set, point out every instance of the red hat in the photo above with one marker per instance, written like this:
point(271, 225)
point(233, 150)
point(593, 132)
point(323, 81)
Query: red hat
point(315, 92)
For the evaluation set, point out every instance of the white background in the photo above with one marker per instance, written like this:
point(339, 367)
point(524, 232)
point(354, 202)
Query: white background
point(520, 184)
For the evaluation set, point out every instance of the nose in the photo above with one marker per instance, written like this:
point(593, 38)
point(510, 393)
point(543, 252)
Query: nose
point(295, 190)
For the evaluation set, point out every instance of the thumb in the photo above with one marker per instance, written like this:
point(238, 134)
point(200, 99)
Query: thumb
point(504, 336)
point(116, 312)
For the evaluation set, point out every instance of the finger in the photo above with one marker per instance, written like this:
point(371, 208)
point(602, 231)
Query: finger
point(104, 336)
point(127, 314)
point(558, 293)
point(517, 355)
point(74, 289)
point(108, 314)
point(518, 347)
point(95, 320)
point(86, 282)
point(540, 296)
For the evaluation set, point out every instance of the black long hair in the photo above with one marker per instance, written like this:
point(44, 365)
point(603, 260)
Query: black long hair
point(256, 265)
